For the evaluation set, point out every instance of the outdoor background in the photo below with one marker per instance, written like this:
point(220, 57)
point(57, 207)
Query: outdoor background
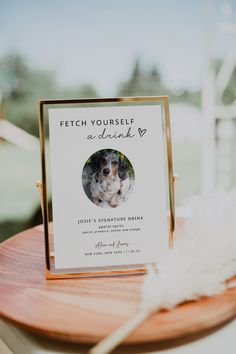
point(76, 48)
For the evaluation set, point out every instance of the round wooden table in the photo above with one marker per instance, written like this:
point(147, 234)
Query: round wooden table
point(87, 310)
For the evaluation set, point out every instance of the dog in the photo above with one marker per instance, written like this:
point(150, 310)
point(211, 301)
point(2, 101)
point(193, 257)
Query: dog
point(110, 184)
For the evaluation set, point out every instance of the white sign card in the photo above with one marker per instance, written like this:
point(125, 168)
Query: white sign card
point(108, 179)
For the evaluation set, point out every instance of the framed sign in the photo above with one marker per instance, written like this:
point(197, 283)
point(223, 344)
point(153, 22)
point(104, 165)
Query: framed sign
point(108, 166)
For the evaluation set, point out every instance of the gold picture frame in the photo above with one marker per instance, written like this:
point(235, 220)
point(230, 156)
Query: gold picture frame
point(51, 272)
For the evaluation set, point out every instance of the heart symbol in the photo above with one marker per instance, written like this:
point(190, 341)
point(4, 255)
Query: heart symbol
point(142, 132)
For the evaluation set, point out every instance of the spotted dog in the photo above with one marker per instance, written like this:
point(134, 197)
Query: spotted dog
point(110, 184)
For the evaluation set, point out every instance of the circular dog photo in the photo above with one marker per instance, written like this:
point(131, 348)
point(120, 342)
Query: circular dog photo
point(108, 178)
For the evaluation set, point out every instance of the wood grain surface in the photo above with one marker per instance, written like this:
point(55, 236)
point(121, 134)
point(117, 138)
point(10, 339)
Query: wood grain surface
point(87, 310)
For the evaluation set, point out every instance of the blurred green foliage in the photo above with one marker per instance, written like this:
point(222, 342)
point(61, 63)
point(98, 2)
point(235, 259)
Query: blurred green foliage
point(22, 86)
point(149, 83)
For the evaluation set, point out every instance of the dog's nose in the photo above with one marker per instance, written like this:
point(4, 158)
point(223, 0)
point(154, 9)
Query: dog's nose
point(106, 171)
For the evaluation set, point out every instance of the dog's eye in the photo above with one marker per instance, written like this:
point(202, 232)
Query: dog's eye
point(114, 163)
point(103, 161)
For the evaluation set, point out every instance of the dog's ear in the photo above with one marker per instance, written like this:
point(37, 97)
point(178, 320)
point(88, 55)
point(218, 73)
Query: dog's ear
point(123, 168)
point(95, 161)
